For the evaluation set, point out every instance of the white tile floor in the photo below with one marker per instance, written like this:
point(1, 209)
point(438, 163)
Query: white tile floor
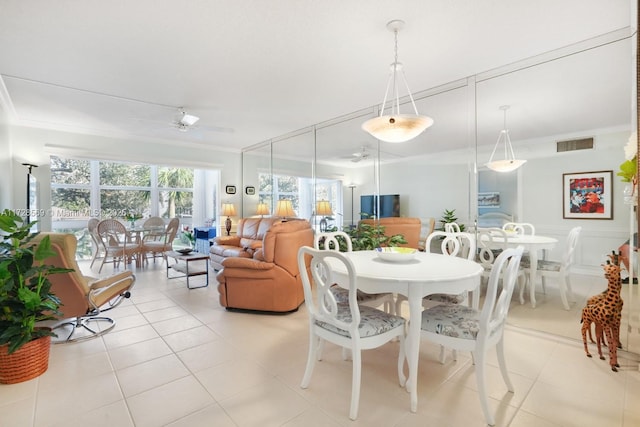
point(177, 358)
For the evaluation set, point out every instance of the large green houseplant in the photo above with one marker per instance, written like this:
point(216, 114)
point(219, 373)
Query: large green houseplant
point(25, 290)
point(368, 237)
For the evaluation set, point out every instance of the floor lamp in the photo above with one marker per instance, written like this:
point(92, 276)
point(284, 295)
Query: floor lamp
point(352, 186)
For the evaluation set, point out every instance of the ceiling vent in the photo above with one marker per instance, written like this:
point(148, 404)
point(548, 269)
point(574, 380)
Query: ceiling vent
point(575, 144)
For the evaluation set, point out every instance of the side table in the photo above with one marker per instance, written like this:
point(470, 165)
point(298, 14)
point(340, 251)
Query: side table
point(186, 270)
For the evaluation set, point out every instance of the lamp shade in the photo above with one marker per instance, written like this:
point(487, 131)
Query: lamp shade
point(284, 208)
point(323, 207)
point(506, 165)
point(397, 128)
point(509, 163)
point(228, 209)
point(262, 209)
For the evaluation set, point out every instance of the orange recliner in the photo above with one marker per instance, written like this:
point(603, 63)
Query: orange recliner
point(270, 280)
point(410, 228)
point(83, 298)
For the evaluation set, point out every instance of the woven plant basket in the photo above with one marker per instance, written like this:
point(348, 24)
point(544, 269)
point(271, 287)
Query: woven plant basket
point(29, 361)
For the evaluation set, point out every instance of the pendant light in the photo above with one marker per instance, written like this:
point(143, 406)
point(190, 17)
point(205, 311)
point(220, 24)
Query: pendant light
point(510, 163)
point(396, 127)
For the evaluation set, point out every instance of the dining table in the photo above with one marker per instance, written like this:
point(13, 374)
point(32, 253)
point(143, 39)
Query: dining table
point(533, 244)
point(416, 277)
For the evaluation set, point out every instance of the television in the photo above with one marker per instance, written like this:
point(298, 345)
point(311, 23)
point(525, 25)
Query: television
point(389, 206)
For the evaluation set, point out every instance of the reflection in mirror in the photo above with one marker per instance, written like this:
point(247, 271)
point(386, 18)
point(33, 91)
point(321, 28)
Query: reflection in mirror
point(256, 173)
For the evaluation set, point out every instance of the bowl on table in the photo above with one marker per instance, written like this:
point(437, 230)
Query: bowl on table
point(185, 251)
point(396, 254)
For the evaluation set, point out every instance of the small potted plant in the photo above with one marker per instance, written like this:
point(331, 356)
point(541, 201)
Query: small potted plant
point(25, 300)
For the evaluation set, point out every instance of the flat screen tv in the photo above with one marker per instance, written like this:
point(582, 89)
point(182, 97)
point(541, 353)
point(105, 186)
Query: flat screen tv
point(389, 206)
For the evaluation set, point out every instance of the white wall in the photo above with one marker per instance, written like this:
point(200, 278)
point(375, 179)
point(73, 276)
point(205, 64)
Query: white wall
point(6, 187)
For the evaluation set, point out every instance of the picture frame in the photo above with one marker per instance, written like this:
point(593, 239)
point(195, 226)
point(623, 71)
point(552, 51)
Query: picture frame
point(230, 189)
point(250, 191)
point(489, 199)
point(587, 195)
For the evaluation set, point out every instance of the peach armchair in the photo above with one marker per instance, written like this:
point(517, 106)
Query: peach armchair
point(270, 279)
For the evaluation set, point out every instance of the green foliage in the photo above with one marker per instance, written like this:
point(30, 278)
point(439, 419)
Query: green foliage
point(368, 237)
point(448, 217)
point(628, 170)
point(25, 290)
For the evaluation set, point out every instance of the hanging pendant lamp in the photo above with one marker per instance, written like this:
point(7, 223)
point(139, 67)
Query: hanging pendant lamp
point(510, 163)
point(396, 127)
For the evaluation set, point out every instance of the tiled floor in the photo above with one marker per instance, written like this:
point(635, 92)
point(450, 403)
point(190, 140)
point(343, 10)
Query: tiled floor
point(177, 358)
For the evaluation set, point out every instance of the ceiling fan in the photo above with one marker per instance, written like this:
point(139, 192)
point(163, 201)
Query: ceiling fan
point(359, 156)
point(185, 121)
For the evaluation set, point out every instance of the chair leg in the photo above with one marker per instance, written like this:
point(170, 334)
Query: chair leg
point(503, 366)
point(401, 358)
point(482, 386)
point(355, 383)
point(570, 294)
point(563, 292)
point(314, 343)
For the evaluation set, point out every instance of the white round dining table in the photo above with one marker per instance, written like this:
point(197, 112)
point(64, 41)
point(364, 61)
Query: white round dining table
point(426, 274)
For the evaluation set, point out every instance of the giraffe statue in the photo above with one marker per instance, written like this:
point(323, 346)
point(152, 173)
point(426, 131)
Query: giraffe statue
point(615, 259)
point(605, 314)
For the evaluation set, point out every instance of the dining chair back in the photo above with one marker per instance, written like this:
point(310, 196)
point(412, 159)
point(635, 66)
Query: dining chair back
point(520, 227)
point(491, 243)
point(460, 244)
point(347, 324)
point(154, 228)
point(476, 330)
point(163, 243)
point(92, 227)
point(560, 270)
point(452, 227)
point(339, 239)
point(117, 242)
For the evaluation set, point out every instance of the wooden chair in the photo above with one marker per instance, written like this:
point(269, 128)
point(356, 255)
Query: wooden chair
point(157, 246)
point(117, 243)
point(331, 241)
point(464, 328)
point(92, 226)
point(349, 325)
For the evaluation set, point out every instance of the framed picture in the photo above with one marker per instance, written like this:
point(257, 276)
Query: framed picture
point(489, 200)
point(230, 189)
point(250, 190)
point(587, 195)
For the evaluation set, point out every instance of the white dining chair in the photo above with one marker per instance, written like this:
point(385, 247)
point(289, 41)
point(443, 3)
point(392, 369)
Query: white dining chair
point(332, 241)
point(452, 227)
point(491, 243)
point(520, 227)
point(349, 325)
point(559, 270)
point(464, 328)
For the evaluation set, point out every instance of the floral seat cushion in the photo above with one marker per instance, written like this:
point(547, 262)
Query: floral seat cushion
point(453, 320)
point(342, 295)
point(372, 321)
point(447, 298)
point(542, 264)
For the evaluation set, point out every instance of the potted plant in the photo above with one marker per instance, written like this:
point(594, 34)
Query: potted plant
point(25, 300)
point(448, 217)
point(368, 237)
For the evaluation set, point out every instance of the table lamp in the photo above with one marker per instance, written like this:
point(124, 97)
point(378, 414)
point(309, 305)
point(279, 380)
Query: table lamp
point(284, 208)
point(229, 210)
point(262, 209)
point(323, 207)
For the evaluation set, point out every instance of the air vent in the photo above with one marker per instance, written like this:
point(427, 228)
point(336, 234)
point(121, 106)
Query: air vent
point(575, 144)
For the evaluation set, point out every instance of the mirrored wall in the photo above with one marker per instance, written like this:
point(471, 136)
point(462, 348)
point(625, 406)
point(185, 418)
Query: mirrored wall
point(582, 91)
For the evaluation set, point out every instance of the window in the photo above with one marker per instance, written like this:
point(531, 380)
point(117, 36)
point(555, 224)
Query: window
point(81, 189)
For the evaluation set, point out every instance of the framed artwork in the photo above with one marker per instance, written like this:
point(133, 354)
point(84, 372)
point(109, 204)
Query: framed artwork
point(230, 189)
point(587, 195)
point(489, 199)
point(250, 190)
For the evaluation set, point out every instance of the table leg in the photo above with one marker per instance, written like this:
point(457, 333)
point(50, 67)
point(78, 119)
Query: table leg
point(412, 345)
point(533, 274)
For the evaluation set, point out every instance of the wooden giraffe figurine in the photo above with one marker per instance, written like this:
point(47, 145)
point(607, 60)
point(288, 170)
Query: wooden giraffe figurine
point(605, 314)
point(615, 259)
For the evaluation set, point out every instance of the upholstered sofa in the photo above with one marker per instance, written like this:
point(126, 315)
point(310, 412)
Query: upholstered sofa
point(246, 241)
point(269, 280)
point(410, 228)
